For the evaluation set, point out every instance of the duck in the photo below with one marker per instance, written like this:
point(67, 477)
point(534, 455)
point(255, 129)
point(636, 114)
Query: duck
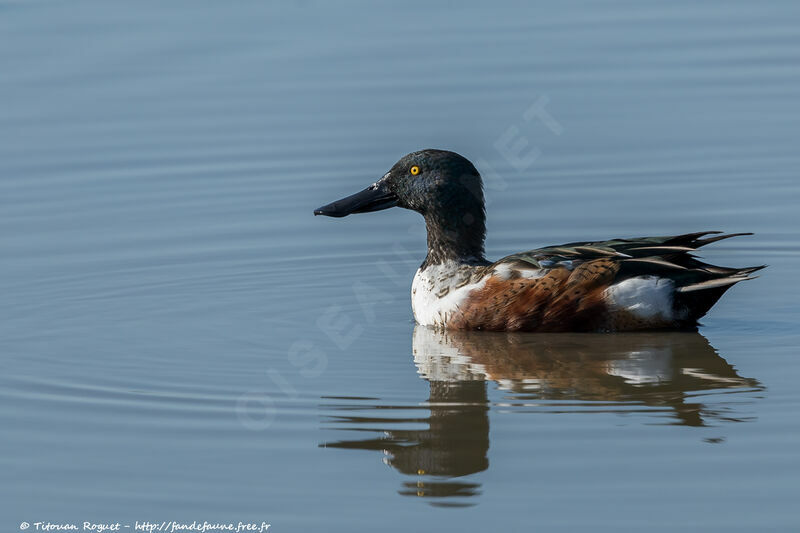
point(625, 284)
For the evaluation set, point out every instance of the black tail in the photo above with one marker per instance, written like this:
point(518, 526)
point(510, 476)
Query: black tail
point(693, 300)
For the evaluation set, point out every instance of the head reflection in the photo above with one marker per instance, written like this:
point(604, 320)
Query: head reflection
point(453, 442)
point(669, 376)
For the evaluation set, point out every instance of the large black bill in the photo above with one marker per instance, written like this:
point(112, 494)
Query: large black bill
point(373, 198)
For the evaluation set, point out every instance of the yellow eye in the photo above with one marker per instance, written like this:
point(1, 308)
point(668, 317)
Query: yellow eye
point(414, 170)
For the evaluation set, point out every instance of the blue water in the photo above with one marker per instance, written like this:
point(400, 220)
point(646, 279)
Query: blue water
point(180, 339)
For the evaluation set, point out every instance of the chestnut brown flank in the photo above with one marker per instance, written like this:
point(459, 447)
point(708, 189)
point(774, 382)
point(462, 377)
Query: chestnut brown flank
point(561, 300)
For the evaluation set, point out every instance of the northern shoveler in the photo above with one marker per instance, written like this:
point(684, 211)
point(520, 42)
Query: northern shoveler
point(616, 285)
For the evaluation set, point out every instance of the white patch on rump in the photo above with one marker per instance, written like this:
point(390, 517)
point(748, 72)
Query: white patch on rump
point(431, 309)
point(646, 297)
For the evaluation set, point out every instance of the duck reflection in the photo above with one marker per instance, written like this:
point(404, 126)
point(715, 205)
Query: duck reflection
point(671, 376)
point(662, 372)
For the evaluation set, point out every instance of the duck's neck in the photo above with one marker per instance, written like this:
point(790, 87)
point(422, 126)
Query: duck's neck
point(457, 238)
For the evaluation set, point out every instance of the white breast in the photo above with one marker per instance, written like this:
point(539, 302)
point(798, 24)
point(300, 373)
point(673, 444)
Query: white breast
point(439, 290)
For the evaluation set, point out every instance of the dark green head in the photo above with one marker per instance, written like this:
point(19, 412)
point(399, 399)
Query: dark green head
point(443, 187)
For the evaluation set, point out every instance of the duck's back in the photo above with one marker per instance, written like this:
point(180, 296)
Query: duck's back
point(618, 285)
